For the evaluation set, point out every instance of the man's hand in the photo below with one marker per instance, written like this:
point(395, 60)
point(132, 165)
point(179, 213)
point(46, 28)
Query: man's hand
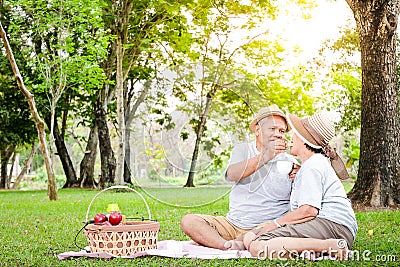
point(271, 148)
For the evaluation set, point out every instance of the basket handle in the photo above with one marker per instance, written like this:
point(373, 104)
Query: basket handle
point(118, 187)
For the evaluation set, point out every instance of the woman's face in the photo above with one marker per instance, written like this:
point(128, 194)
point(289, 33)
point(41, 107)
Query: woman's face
point(296, 145)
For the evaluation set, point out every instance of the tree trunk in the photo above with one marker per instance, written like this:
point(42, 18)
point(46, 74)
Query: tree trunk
point(26, 167)
point(199, 135)
point(378, 175)
point(10, 174)
point(127, 170)
point(130, 111)
point(4, 164)
point(192, 171)
point(5, 158)
point(119, 90)
point(65, 159)
point(51, 181)
point(108, 162)
point(89, 159)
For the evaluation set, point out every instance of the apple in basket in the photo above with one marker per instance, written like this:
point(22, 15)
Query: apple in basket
point(100, 218)
point(115, 218)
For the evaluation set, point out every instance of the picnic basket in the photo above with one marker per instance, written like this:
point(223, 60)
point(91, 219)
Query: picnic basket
point(122, 240)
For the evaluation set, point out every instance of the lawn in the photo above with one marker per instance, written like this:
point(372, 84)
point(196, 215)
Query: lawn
point(34, 230)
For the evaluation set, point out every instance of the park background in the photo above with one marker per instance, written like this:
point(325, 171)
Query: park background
point(164, 107)
point(154, 94)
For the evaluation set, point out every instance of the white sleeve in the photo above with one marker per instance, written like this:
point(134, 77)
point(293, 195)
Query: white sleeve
point(239, 153)
point(309, 189)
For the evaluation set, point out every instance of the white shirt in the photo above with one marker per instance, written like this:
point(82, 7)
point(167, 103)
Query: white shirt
point(262, 196)
point(316, 184)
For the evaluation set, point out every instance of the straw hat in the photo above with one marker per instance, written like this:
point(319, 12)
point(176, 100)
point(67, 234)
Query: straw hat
point(265, 112)
point(316, 130)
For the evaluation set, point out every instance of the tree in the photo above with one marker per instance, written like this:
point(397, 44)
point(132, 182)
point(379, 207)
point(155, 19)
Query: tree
point(138, 29)
point(207, 68)
point(52, 188)
point(86, 178)
point(270, 87)
point(17, 129)
point(378, 182)
point(26, 167)
point(219, 70)
point(62, 42)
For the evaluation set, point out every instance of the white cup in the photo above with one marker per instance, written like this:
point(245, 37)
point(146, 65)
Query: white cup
point(284, 167)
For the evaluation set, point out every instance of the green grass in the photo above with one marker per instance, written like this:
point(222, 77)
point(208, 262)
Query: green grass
point(34, 230)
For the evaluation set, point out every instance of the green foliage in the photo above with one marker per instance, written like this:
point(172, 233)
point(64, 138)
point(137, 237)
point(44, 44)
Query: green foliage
point(272, 81)
point(63, 43)
point(196, 40)
point(156, 161)
point(236, 109)
point(305, 7)
point(342, 92)
point(184, 136)
point(38, 180)
point(228, 81)
point(348, 43)
point(293, 95)
point(346, 98)
point(352, 153)
point(153, 174)
point(36, 230)
point(16, 124)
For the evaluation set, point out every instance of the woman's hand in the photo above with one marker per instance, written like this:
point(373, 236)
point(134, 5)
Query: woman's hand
point(267, 227)
point(249, 237)
point(293, 172)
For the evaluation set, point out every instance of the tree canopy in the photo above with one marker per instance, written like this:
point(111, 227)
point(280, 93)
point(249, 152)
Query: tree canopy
point(107, 73)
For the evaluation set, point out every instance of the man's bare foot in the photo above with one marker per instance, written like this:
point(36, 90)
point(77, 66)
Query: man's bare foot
point(339, 248)
point(234, 245)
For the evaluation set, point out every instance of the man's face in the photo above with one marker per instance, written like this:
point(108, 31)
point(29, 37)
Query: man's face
point(271, 128)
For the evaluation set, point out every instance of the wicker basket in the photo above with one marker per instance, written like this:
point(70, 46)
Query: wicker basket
point(122, 240)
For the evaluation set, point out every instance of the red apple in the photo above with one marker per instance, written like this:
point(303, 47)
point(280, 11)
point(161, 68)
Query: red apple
point(115, 218)
point(100, 218)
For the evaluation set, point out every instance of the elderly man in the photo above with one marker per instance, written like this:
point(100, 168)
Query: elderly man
point(260, 194)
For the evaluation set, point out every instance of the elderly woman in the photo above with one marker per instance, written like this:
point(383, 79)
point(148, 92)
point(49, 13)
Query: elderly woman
point(321, 218)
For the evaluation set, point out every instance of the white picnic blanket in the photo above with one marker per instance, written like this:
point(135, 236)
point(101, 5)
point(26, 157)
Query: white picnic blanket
point(171, 249)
